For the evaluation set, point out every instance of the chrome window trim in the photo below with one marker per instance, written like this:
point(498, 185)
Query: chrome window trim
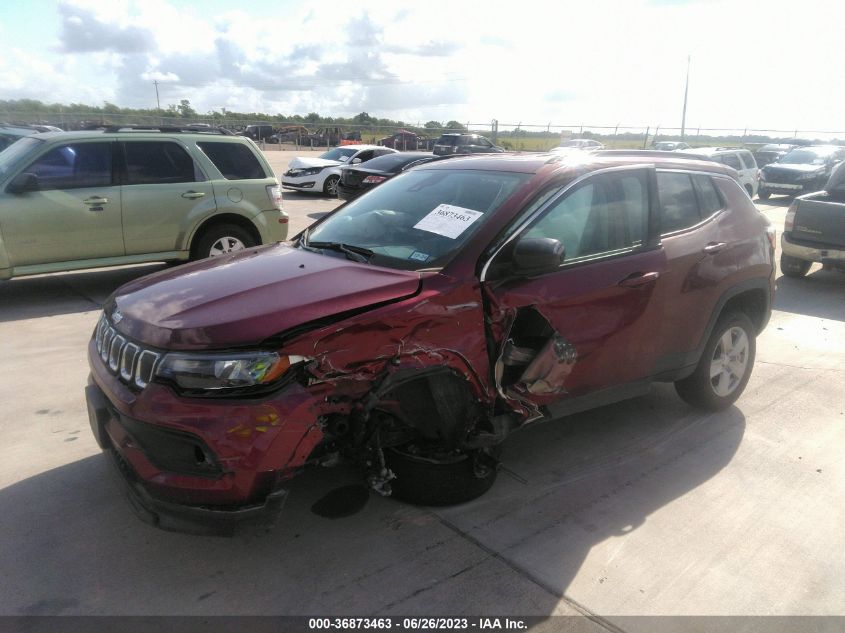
point(552, 200)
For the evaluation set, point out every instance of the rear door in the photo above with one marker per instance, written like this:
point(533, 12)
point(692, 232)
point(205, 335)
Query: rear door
point(164, 193)
point(697, 238)
point(589, 324)
point(74, 214)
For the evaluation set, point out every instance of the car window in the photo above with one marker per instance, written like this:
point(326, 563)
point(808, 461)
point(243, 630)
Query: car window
point(365, 155)
point(394, 160)
point(17, 153)
point(803, 157)
point(74, 165)
point(234, 160)
point(730, 160)
point(157, 162)
point(748, 160)
point(449, 140)
point(678, 204)
point(606, 213)
point(483, 142)
point(341, 154)
point(708, 197)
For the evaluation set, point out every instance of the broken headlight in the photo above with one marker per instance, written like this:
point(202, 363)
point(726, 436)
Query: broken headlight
point(216, 372)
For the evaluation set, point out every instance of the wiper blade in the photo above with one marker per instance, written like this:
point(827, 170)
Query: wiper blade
point(355, 253)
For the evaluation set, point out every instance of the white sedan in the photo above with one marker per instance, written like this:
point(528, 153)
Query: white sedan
point(321, 174)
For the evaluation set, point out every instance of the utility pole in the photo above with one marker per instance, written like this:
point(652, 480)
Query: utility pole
point(158, 103)
point(686, 92)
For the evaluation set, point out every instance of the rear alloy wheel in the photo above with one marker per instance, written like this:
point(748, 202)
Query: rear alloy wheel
point(724, 367)
point(762, 194)
point(440, 480)
point(221, 240)
point(794, 267)
point(330, 186)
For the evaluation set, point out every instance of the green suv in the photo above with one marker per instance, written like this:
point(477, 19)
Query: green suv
point(71, 200)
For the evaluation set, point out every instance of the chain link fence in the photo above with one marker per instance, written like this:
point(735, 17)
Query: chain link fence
point(512, 136)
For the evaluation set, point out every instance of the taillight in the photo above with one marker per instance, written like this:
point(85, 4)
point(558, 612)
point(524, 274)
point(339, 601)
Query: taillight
point(274, 192)
point(790, 217)
point(374, 180)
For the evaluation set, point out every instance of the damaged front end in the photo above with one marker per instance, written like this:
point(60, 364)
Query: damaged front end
point(409, 381)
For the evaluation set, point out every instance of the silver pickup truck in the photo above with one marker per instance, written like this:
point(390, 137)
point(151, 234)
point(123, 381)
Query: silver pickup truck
point(815, 229)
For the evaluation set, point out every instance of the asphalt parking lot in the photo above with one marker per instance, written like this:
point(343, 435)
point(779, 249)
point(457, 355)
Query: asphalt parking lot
point(647, 507)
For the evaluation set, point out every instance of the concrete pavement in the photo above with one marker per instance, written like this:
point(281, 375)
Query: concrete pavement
point(642, 508)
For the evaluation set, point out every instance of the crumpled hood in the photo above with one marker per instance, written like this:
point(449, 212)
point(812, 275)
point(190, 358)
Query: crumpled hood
point(299, 163)
point(242, 299)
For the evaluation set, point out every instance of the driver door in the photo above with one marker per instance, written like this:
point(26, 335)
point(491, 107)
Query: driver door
point(74, 213)
point(589, 322)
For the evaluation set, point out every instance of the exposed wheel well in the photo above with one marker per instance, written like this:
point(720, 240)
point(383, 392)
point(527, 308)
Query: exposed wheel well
point(226, 218)
point(752, 303)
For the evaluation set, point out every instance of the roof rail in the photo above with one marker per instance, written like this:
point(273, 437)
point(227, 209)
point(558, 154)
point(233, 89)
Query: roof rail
point(645, 153)
point(192, 129)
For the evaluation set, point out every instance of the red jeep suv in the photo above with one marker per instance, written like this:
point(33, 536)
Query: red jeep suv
point(415, 327)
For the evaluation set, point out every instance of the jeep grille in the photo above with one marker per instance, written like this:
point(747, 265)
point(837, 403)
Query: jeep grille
point(131, 363)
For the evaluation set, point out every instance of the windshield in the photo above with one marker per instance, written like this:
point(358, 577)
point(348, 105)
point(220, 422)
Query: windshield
point(804, 157)
point(421, 218)
point(390, 162)
point(338, 153)
point(10, 156)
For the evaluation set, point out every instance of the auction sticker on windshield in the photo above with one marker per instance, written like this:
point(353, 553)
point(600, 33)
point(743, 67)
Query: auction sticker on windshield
point(448, 220)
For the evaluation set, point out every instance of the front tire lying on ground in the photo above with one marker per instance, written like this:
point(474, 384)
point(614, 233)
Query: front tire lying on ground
point(443, 480)
point(724, 367)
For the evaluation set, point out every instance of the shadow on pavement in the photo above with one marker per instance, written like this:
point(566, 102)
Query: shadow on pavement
point(65, 293)
point(820, 294)
point(72, 546)
point(776, 201)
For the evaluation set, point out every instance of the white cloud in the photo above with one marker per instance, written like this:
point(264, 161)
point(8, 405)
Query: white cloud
point(604, 62)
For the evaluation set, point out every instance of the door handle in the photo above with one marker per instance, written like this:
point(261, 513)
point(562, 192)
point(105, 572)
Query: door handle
point(95, 201)
point(714, 247)
point(191, 195)
point(637, 280)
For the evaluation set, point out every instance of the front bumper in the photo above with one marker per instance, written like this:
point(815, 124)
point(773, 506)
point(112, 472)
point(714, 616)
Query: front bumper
point(300, 185)
point(817, 253)
point(165, 514)
point(201, 465)
point(791, 189)
point(348, 193)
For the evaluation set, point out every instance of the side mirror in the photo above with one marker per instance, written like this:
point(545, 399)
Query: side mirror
point(355, 161)
point(537, 254)
point(22, 183)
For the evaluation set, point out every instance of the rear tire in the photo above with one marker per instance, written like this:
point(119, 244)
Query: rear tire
point(794, 267)
point(441, 483)
point(221, 239)
point(750, 191)
point(725, 365)
point(762, 194)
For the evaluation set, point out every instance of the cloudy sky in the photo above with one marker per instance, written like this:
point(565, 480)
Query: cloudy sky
point(761, 65)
